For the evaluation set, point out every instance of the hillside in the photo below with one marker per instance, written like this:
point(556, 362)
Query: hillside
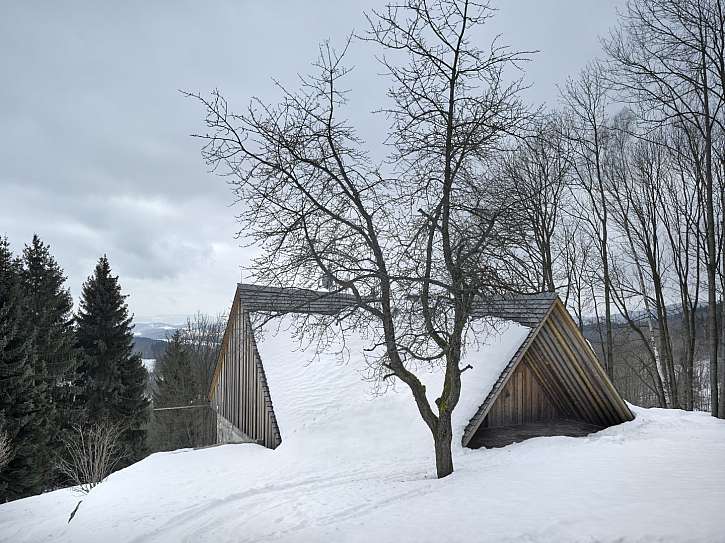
point(356, 467)
point(148, 347)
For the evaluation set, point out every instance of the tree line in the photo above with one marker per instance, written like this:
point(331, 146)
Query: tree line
point(625, 186)
point(62, 373)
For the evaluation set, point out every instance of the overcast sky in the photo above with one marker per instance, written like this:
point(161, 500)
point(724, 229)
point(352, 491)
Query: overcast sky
point(95, 153)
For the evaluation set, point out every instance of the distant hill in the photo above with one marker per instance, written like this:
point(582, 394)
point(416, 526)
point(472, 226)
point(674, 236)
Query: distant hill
point(148, 347)
point(155, 329)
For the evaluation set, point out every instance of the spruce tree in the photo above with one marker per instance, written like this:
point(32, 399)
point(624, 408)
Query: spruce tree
point(50, 305)
point(21, 394)
point(179, 384)
point(111, 379)
point(174, 374)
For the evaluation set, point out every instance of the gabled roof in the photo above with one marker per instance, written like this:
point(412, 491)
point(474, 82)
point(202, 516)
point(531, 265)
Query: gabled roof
point(526, 309)
point(293, 300)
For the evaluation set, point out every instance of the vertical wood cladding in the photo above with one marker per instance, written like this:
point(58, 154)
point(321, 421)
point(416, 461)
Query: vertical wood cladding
point(554, 376)
point(240, 393)
point(522, 400)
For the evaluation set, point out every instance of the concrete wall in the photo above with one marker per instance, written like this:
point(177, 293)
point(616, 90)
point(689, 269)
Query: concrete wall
point(226, 432)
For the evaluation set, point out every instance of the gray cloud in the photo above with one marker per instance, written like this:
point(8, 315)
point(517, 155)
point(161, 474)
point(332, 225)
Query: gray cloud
point(94, 149)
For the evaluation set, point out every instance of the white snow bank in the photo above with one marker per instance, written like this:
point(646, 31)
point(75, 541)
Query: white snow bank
point(355, 468)
point(659, 478)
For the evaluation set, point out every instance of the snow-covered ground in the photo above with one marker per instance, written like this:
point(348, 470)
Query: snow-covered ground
point(355, 467)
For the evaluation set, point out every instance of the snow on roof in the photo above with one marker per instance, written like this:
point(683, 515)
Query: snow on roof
point(325, 397)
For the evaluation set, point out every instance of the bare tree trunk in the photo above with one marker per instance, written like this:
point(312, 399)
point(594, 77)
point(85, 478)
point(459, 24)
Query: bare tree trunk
point(442, 440)
point(650, 327)
point(711, 262)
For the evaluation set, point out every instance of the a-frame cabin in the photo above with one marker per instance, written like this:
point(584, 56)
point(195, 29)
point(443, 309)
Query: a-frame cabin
point(553, 385)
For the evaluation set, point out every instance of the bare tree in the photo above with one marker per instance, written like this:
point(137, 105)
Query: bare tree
point(587, 100)
point(538, 171)
point(668, 59)
point(578, 258)
point(91, 453)
point(680, 211)
point(202, 336)
point(417, 239)
point(6, 450)
point(634, 177)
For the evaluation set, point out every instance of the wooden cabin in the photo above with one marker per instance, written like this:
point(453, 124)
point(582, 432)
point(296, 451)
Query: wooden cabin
point(553, 385)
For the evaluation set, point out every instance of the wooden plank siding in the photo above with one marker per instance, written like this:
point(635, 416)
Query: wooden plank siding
point(239, 390)
point(478, 419)
point(522, 400)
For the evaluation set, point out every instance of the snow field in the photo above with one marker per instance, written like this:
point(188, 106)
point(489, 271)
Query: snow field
point(357, 468)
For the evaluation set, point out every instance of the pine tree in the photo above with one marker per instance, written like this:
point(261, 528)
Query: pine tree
point(177, 378)
point(111, 378)
point(178, 384)
point(21, 394)
point(50, 305)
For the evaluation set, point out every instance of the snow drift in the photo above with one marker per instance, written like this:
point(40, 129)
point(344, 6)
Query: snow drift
point(353, 466)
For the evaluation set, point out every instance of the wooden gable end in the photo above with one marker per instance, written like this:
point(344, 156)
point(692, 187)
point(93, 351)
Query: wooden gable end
point(554, 376)
point(239, 390)
point(522, 400)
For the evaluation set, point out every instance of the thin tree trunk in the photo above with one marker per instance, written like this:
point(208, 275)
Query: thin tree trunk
point(711, 262)
point(688, 325)
point(609, 337)
point(721, 354)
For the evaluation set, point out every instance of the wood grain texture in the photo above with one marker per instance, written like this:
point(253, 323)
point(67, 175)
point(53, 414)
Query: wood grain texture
point(240, 392)
point(554, 362)
point(554, 375)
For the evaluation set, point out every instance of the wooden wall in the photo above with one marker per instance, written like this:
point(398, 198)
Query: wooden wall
point(239, 390)
point(521, 401)
point(571, 373)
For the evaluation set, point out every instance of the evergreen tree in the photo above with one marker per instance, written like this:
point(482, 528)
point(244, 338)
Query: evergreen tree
point(50, 305)
point(111, 378)
point(176, 382)
point(179, 383)
point(21, 394)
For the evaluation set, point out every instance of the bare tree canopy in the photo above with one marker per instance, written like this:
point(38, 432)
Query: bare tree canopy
point(417, 238)
point(667, 58)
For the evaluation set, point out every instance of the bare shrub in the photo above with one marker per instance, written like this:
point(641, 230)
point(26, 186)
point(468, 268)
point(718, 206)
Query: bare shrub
point(91, 453)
